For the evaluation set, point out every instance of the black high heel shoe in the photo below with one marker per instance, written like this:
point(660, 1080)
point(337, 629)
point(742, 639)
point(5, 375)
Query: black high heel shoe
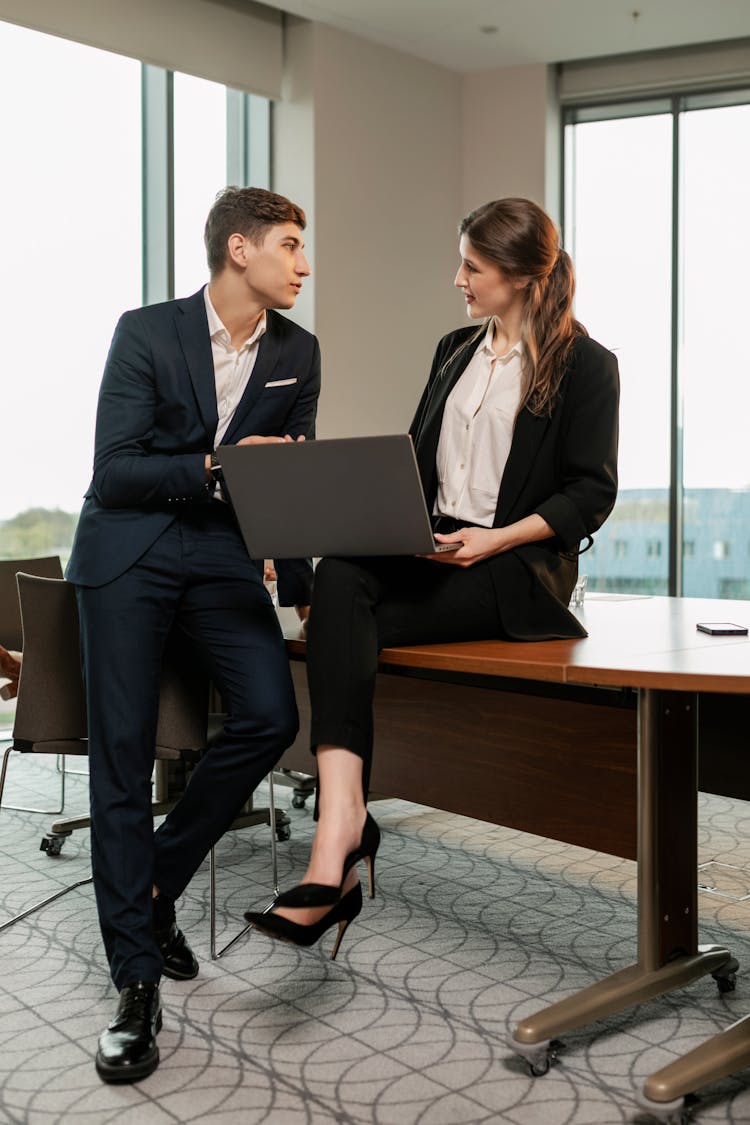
point(344, 912)
point(322, 894)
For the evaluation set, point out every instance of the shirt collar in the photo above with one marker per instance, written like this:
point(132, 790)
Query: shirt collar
point(486, 346)
point(217, 330)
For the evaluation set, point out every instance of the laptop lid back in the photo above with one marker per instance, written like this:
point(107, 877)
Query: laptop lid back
point(340, 496)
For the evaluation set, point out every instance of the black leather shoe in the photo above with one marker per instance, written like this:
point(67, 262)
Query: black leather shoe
point(180, 963)
point(127, 1049)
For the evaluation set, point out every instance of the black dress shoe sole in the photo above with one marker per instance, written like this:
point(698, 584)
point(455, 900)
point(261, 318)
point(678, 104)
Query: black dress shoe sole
point(129, 1072)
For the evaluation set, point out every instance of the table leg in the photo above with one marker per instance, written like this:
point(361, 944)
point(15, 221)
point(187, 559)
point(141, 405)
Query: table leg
point(723, 1054)
point(668, 953)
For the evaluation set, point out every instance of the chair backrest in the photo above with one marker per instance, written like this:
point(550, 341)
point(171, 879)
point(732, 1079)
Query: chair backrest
point(51, 698)
point(183, 704)
point(51, 701)
point(10, 613)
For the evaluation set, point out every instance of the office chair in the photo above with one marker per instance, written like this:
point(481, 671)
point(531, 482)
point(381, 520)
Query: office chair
point(51, 712)
point(10, 629)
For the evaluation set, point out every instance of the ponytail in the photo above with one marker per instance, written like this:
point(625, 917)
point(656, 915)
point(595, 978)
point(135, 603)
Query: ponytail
point(548, 331)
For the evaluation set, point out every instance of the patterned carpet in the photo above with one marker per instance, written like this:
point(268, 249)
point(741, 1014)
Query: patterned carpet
point(472, 928)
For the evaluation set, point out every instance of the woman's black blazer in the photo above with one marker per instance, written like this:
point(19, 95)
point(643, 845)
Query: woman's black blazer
point(562, 466)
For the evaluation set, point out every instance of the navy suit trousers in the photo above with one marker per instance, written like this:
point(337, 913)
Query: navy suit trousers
point(196, 579)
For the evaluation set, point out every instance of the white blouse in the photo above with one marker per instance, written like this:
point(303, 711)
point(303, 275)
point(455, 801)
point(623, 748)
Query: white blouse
point(476, 434)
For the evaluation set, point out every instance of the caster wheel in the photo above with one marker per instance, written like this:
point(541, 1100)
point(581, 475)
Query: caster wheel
point(537, 1056)
point(52, 845)
point(726, 977)
point(678, 1112)
point(298, 801)
point(283, 834)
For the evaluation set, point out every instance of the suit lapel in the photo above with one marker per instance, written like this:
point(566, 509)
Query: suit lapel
point(528, 435)
point(429, 428)
point(192, 329)
point(269, 351)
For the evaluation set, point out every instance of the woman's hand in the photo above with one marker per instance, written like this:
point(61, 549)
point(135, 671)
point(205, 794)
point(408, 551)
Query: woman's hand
point(479, 543)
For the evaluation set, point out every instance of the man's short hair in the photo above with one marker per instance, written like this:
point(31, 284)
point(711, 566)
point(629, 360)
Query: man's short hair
point(247, 211)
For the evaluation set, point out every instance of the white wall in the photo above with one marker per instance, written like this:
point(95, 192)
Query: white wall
point(384, 130)
point(510, 136)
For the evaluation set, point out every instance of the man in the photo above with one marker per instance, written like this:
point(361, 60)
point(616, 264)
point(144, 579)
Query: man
point(157, 550)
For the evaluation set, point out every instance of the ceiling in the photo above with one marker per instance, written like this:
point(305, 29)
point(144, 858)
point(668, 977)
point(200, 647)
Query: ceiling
point(467, 35)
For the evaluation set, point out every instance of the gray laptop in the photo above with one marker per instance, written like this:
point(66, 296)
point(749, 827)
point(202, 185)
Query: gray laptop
point(343, 496)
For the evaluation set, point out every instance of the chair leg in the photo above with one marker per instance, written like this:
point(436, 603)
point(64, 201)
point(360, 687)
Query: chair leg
point(45, 902)
point(27, 808)
point(212, 878)
point(50, 898)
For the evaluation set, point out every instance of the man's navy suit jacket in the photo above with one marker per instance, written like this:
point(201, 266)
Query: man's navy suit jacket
point(157, 419)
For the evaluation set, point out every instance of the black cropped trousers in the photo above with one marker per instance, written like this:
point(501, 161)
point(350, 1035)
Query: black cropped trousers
point(365, 604)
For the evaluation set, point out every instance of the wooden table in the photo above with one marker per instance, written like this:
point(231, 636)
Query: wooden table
point(648, 647)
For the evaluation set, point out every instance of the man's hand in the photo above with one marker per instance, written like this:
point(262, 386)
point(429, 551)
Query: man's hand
point(10, 668)
point(256, 439)
point(303, 612)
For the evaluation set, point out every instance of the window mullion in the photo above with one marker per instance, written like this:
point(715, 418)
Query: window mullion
point(157, 184)
point(675, 426)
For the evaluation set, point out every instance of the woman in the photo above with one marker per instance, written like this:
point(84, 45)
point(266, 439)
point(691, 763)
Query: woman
point(516, 440)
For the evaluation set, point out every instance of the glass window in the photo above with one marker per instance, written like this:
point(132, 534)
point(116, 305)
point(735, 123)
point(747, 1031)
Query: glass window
point(714, 359)
point(70, 227)
point(618, 230)
point(655, 221)
point(200, 172)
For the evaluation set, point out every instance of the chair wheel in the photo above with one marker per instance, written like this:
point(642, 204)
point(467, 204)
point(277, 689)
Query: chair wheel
point(298, 801)
point(52, 844)
point(283, 833)
point(726, 977)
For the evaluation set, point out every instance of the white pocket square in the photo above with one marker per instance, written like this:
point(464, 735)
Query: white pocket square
point(281, 383)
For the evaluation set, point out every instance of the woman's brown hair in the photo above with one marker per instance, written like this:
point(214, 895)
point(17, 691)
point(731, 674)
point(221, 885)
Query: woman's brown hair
point(521, 239)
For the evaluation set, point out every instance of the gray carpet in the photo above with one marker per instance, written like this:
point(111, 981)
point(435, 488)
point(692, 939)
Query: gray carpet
point(472, 928)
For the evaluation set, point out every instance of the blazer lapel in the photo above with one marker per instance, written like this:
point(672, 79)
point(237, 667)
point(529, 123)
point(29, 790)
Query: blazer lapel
point(269, 351)
point(528, 434)
point(428, 434)
point(192, 329)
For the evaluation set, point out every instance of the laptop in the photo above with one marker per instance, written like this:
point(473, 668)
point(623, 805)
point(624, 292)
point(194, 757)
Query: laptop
point(340, 496)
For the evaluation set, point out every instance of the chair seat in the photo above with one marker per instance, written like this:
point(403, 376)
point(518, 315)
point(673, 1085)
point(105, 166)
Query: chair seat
point(78, 747)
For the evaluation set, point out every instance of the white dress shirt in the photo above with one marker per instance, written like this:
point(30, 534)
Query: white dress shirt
point(476, 434)
point(232, 367)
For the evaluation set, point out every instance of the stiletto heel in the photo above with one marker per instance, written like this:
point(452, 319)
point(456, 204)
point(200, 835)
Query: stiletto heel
point(343, 913)
point(367, 849)
point(370, 861)
point(343, 927)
